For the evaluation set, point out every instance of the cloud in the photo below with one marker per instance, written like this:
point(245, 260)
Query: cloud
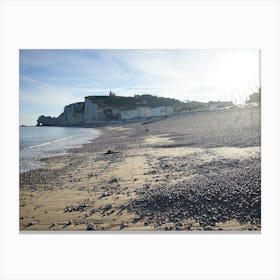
point(50, 96)
point(69, 63)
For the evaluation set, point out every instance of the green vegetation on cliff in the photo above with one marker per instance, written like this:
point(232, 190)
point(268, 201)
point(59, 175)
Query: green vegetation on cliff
point(130, 103)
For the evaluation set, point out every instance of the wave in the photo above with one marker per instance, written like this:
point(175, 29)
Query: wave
point(50, 142)
point(62, 139)
point(40, 145)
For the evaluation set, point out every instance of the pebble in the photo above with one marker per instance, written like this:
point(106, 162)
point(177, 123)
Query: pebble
point(123, 225)
point(107, 207)
point(91, 226)
point(214, 219)
point(105, 194)
point(168, 227)
point(114, 180)
point(32, 223)
point(81, 207)
point(179, 226)
point(109, 152)
point(208, 228)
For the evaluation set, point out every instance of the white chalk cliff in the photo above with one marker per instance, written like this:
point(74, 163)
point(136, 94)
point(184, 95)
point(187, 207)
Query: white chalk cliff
point(97, 109)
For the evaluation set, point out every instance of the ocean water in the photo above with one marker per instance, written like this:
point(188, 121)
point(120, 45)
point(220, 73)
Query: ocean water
point(37, 143)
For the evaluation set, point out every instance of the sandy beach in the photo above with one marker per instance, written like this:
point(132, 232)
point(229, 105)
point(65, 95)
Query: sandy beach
point(190, 172)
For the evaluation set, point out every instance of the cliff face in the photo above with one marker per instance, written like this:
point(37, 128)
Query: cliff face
point(73, 115)
point(90, 114)
point(81, 113)
point(96, 109)
point(103, 108)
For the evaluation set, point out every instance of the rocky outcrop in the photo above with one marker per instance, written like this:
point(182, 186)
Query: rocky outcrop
point(73, 115)
point(46, 121)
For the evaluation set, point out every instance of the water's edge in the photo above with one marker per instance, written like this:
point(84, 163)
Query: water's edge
point(32, 153)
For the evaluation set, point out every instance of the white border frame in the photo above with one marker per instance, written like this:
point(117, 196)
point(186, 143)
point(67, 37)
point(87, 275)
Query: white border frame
point(157, 24)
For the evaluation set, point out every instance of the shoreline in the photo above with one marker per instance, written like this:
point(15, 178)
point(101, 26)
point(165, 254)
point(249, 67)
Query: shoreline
point(109, 123)
point(32, 154)
point(132, 179)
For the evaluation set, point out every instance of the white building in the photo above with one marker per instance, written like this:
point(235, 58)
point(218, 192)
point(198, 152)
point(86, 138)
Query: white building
point(160, 111)
point(143, 112)
point(213, 108)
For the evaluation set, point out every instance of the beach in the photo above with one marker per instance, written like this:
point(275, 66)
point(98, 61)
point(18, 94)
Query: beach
point(188, 172)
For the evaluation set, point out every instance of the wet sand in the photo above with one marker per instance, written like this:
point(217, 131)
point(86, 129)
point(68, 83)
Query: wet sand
point(197, 171)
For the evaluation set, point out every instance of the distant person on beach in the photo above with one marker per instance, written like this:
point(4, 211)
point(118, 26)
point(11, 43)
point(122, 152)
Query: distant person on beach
point(146, 128)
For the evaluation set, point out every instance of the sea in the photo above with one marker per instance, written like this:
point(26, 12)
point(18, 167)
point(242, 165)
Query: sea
point(38, 142)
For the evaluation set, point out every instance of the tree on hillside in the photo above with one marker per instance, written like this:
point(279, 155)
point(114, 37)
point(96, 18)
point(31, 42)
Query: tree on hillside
point(255, 97)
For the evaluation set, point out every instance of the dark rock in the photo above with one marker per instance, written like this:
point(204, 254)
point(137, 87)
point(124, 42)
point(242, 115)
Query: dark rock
point(109, 152)
point(81, 207)
point(105, 194)
point(114, 180)
point(180, 226)
point(214, 219)
point(32, 223)
point(208, 228)
point(91, 226)
point(123, 225)
point(107, 207)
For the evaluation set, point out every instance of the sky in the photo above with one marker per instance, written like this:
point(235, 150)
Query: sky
point(52, 79)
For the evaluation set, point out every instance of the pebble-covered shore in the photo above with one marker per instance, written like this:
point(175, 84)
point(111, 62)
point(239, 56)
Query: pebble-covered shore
point(233, 193)
point(202, 171)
